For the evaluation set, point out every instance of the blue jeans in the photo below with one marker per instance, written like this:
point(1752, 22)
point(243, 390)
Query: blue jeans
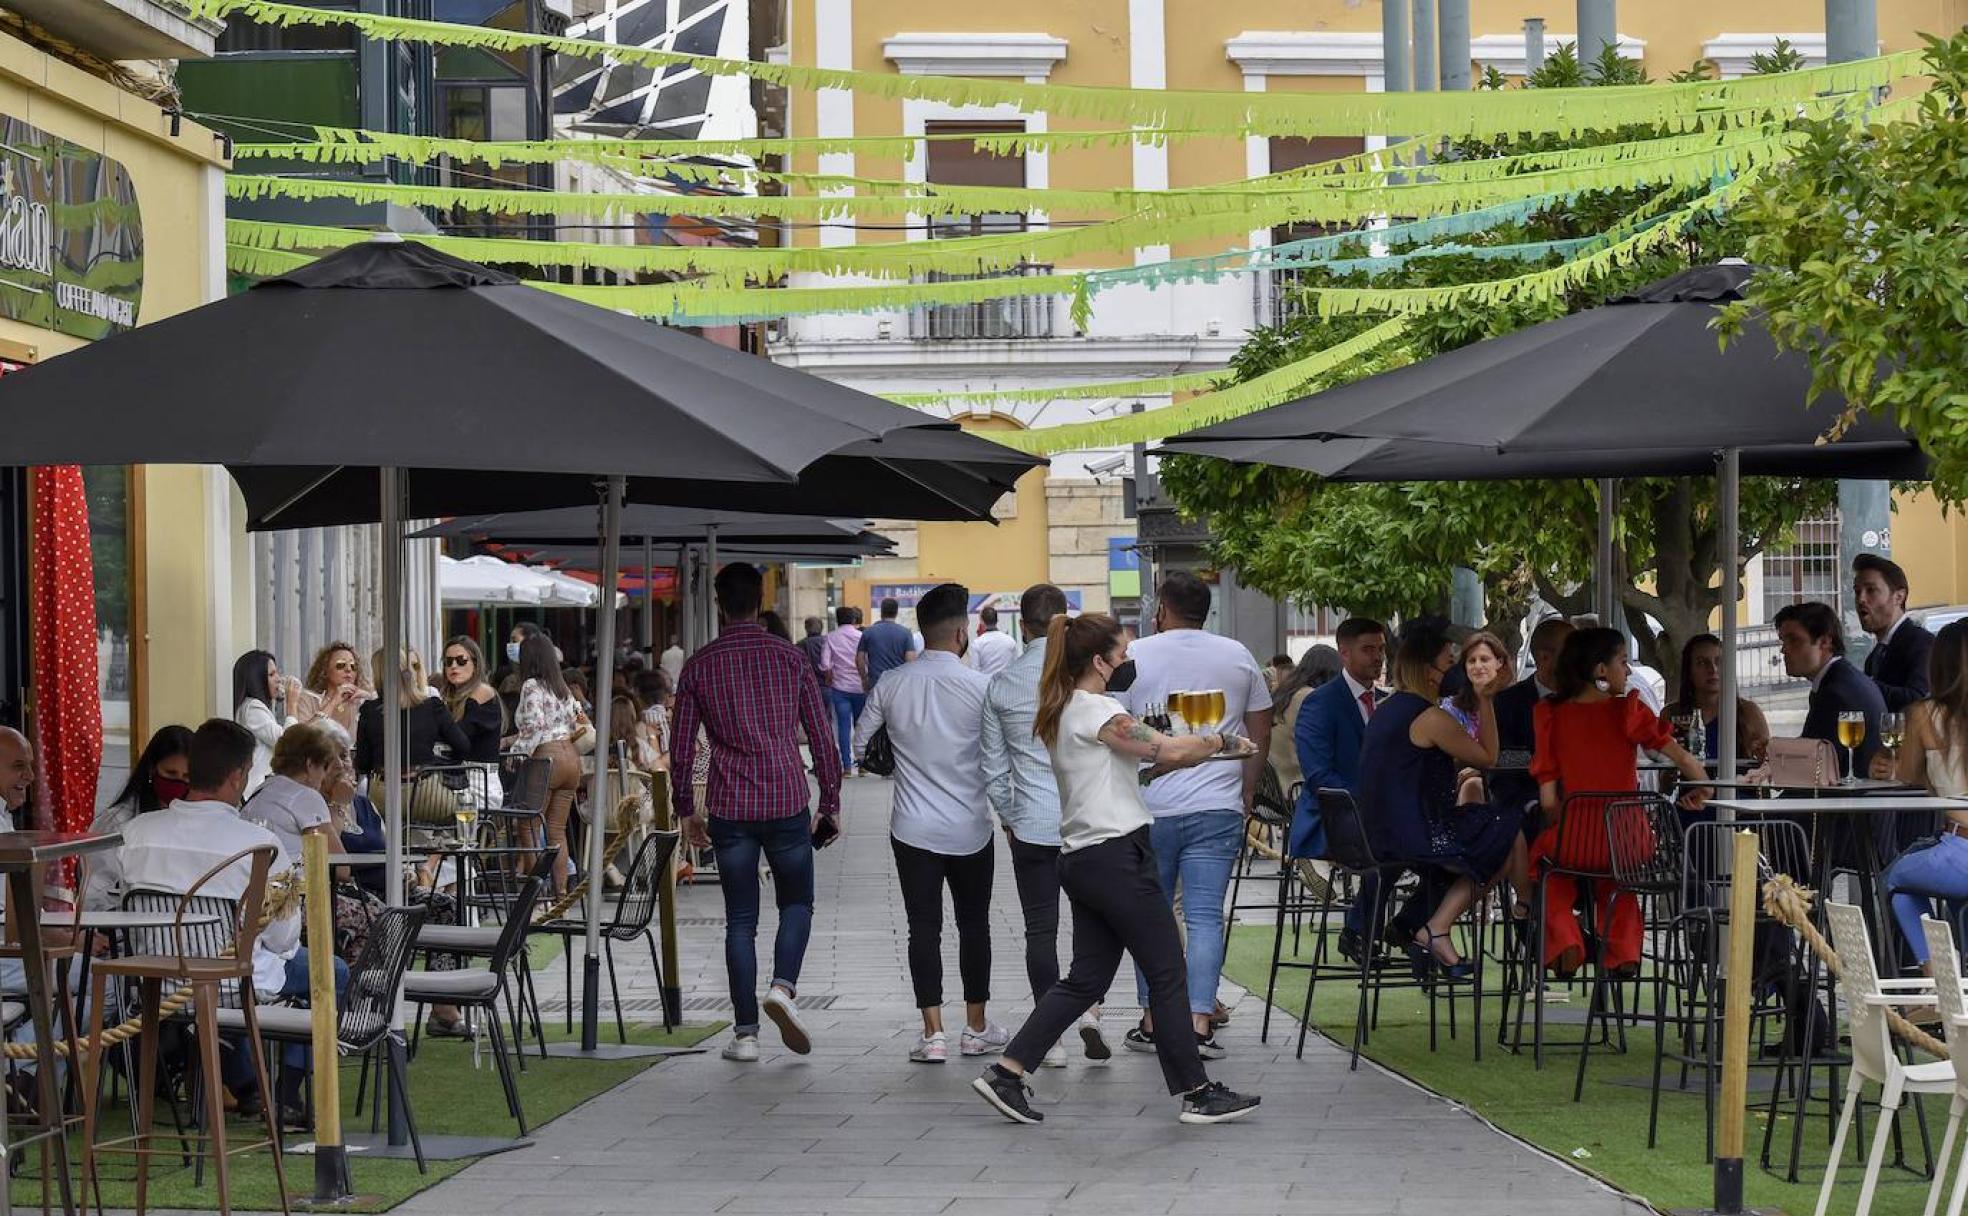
point(1198, 850)
point(847, 707)
point(787, 845)
point(1923, 874)
point(236, 1067)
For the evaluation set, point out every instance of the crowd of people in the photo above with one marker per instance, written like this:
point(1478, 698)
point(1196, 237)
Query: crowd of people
point(1459, 769)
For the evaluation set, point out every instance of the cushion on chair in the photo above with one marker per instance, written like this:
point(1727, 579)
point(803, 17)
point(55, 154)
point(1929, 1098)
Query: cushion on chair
point(295, 1024)
point(475, 939)
point(445, 987)
point(12, 1011)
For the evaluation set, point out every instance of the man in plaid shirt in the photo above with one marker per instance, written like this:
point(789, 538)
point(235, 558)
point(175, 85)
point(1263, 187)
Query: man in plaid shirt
point(751, 692)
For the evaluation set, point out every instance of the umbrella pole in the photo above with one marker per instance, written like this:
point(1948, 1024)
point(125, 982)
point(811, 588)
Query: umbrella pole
point(1728, 523)
point(390, 481)
point(598, 804)
point(649, 598)
point(710, 580)
point(1604, 600)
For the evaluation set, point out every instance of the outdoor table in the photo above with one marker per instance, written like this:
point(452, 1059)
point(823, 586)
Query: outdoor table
point(358, 859)
point(21, 853)
point(1863, 787)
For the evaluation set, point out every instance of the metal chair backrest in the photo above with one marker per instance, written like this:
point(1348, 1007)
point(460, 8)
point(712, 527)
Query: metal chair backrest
point(1781, 848)
point(1348, 842)
point(228, 938)
point(635, 903)
point(1872, 1045)
point(519, 915)
point(1580, 845)
point(1944, 960)
point(529, 790)
point(1269, 802)
point(1643, 841)
point(373, 981)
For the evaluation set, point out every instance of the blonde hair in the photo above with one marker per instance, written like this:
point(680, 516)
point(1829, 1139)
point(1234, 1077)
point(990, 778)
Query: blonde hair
point(302, 745)
point(410, 681)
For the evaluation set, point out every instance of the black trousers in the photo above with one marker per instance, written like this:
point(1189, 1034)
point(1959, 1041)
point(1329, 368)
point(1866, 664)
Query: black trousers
point(1118, 906)
point(923, 875)
point(1035, 868)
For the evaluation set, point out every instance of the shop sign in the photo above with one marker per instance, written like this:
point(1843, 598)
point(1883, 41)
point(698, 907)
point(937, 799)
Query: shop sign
point(71, 235)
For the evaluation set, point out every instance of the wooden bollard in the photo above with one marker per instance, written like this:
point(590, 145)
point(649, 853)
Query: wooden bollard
point(331, 1174)
point(1735, 1027)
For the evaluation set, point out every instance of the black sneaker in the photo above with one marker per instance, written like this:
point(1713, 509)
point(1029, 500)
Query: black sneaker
point(1009, 1094)
point(1208, 1048)
point(1139, 1040)
point(1217, 1103)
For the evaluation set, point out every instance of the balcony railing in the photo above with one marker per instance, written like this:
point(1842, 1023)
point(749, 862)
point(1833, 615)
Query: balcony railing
point(1011, 318)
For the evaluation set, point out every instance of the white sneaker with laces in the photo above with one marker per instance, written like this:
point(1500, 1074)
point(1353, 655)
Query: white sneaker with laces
point(990, 1040)
point(1056, 1058)
point(1094, 1038)
point(785, 1015)
point(931, 1049)
point(742, 1049)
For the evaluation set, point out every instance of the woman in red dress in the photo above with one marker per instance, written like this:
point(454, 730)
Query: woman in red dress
point(1586, 733)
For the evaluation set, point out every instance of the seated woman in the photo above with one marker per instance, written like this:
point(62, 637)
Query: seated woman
point(1701, 692)
point(1934, 753)
point(1586, 733)
point(290, 801)
point(1408, 764)
point(333, 687)
point(425, 724)
point(156, 782)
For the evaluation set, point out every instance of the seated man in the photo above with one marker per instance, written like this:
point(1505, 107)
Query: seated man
point(170, 849)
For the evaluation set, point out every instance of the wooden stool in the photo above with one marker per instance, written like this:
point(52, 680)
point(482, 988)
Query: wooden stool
point(207, 976)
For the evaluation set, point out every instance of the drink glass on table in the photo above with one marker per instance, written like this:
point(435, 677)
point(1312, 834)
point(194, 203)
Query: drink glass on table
point(1892, 733)
point(467, 817)
point(1851, 733)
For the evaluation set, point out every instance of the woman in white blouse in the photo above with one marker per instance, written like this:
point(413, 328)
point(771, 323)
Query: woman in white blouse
point(259, 704)
point(546, 720)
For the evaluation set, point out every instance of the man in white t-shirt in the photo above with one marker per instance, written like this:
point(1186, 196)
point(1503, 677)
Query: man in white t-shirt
point(993, 650)
point(1198, 812)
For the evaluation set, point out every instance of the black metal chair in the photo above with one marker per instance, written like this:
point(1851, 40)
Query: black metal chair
point(362, 1020)
point(631, 917)
point(508, 869)
point(1643, 847)
point(483, 988)
point(1575, 853)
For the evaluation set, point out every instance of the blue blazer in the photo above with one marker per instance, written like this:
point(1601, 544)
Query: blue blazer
point(1328, 735)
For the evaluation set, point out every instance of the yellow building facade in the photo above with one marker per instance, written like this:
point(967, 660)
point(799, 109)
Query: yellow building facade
point(172, 536)
point(1244, 45)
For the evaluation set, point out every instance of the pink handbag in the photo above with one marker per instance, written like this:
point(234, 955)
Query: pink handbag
point(1802, 762)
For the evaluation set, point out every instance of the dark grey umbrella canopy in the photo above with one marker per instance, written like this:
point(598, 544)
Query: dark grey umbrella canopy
point(491, 395)
point(844, 552)
point(1639, 387)
point(640, 522)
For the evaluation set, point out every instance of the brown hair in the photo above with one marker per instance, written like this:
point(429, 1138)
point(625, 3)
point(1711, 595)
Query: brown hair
point(317, 672)
point(304, 744)
point(458, 700)
point(1465, 698)
point(1949, 668)
point(1414, 657)
point(1072, 643)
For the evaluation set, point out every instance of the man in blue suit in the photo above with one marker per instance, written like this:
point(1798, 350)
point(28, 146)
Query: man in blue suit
point(1328, 734)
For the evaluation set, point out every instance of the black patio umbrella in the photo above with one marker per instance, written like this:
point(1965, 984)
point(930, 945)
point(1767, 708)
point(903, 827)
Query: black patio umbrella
point(644, 523)
point(1637, 387)
point(389, 378)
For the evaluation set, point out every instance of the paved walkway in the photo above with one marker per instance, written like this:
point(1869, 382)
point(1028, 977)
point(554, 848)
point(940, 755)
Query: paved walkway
point(856, 1128)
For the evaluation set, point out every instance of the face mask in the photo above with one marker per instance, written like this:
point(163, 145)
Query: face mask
point(512, 652)
point(168, 789)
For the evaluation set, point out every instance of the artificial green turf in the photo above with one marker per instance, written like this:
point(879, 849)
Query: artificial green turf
point(450, 1097)
point(1606, 1133)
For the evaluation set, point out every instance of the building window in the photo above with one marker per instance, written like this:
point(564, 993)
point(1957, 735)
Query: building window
point(1806, 570)
point(957, 162)
point(109, 491)
point(1274, 294)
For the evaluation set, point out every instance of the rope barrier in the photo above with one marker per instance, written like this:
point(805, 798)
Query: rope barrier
point(1790, 905)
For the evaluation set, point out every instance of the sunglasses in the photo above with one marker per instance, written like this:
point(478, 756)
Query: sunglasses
point(343, 666)
point(457, 660)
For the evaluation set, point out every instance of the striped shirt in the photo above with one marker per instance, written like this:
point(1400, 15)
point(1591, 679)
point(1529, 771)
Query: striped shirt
point(752, 692)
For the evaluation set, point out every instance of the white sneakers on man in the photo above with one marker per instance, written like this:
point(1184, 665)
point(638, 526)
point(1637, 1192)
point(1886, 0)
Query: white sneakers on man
point(930, 1049)
point(1094, 1038)
point(990, 1040)
point(778, 1005)
point(742, 1049)
point(1055, 1058)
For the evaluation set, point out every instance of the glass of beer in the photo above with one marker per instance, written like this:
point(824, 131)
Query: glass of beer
point(1892, 732)
point(1851, 733)
point(1209, 714)
point(467, 818)
point(1180, 711)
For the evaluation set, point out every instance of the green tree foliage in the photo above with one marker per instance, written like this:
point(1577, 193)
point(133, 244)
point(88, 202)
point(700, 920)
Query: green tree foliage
point(1386, 550)
point(1866, 263)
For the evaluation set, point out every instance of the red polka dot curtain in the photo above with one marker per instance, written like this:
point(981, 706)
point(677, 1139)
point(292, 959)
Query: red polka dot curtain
point(67, 697)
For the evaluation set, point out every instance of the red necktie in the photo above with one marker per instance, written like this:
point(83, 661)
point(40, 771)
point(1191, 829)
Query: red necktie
point(1367, 702)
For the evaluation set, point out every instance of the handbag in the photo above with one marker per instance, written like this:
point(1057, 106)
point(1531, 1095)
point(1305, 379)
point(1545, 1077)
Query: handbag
point(878, 757)
point(1803, 762)
point(584, 738)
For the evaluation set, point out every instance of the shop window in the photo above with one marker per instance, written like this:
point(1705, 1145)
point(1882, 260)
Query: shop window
point(115, 560)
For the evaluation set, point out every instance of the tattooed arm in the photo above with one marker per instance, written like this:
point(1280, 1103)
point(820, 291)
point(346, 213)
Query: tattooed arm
point(1138, 741)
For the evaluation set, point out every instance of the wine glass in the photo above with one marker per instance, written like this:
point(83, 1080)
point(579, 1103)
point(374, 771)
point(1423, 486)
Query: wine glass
point(1209, 715)
point(1179, 710)
point(467, 819)
point(1892, 732)
point(1851, 733)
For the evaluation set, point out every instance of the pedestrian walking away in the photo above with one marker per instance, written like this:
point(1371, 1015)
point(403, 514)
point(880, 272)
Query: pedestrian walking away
point(1018, 777)
point(940, 822)
point(1108, 871)
point(752, 693)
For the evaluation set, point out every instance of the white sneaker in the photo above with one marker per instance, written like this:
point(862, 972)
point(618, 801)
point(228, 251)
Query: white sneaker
point(742, 1049)
point(931, 1049)
point(1056, 1058)
point(1094, 1038)
point(780, 1008)
point(988, 1041)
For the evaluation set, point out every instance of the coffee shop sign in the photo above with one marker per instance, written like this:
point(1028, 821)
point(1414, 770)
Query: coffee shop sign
point(71, 235)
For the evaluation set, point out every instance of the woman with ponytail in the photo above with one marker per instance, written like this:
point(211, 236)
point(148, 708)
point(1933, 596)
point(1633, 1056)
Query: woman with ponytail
point(1108, 870)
